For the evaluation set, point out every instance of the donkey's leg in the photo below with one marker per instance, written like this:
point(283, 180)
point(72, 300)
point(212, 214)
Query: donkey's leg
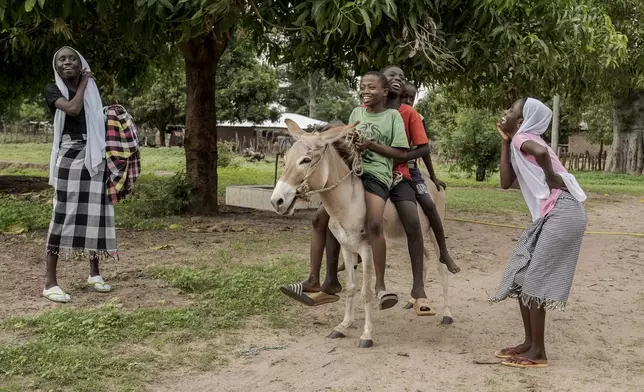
point(443, 274)
point(342, 329)
point(368, 295)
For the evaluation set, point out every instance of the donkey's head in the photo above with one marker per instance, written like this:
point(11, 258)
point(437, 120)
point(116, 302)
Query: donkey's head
point(307, 164)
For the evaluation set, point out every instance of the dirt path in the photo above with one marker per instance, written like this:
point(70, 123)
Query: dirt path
point(596, 345)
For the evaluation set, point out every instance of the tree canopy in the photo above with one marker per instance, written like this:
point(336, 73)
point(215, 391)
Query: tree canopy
point(317, 96)
point(527, 45)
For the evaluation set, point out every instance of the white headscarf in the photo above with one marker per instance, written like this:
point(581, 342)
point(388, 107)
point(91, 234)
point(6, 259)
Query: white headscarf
point(532, 179)
point(95, 149)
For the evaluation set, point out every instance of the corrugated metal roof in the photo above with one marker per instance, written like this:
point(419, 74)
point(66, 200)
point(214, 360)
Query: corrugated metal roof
point(303, 121)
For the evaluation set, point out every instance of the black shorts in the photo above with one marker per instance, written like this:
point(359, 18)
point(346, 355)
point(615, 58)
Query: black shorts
point(375, 186)
point(403, 191)
point(418, 184)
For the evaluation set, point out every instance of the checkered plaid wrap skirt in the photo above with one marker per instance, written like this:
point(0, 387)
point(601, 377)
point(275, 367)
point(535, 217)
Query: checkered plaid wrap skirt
point(82, 221)
point(542, 266)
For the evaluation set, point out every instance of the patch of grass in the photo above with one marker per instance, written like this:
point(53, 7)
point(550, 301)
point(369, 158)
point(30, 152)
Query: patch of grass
point(611, 183)
point(488, 201)
point(236, 291)
point(24, 172)
point(26, 152)
point(29, 213)
point(80, 367)
point(76, 349)
point(170, 159)
point(244, 175)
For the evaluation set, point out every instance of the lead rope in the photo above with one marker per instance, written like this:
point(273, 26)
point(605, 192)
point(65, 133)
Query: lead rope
point(357, 168)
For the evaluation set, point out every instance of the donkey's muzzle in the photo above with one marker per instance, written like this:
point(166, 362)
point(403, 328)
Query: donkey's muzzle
point(283, 198)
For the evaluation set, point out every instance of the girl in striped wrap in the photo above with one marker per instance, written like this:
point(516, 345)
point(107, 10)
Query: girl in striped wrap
point(542, 266)
point(83, 218)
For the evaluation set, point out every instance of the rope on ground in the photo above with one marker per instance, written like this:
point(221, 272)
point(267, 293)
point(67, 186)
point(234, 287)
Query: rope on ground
point(612, 233)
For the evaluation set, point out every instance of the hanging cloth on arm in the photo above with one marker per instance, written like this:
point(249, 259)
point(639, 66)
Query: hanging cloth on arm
point(122, 153)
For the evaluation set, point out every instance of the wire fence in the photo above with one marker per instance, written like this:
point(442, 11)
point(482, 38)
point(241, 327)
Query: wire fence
point(26, 132)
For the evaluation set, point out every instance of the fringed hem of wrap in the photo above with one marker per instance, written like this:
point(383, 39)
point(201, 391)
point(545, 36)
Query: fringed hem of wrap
point(528, 300)
point(77, 253)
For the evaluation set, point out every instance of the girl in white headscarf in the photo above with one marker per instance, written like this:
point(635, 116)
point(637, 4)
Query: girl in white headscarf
point(542, 266)
point(82, 218)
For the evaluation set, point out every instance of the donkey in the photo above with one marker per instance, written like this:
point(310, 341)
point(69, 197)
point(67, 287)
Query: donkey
point(314, 164)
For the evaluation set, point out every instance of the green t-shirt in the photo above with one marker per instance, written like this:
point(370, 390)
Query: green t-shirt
point(386, 128)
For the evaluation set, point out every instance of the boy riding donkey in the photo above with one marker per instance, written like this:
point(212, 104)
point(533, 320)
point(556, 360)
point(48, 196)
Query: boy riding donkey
point(405, 204)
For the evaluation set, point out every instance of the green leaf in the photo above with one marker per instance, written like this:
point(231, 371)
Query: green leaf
point(42, 3)
point(29, 5)
point(367, 21)
point(167, 4)
point(67, 8)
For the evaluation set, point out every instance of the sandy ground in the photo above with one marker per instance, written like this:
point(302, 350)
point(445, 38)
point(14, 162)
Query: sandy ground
point(596, 345)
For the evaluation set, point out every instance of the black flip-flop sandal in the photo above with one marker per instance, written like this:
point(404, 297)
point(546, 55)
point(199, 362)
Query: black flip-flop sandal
point(296, 291)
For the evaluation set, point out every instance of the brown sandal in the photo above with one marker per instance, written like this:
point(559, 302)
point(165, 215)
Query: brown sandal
point(524, 363)
point(422, 308)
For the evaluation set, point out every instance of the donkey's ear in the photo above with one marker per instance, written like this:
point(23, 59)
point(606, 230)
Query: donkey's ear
point(294, 129)
point(336, 133)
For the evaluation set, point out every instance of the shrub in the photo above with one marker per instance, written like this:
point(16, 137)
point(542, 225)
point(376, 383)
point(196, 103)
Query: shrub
point(472, 141)
point(225, 153)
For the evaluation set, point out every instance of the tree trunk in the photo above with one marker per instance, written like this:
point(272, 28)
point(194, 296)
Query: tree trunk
point(480, 174)
point(161, 127)
point(201, 56)
point(626, 154)
point(312, 86)
point(162, 137)
point(554, 142)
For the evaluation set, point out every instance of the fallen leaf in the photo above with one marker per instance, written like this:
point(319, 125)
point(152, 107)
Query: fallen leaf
point(160, 247)
point(15, 229)
point(238, 229)
point(175, 226)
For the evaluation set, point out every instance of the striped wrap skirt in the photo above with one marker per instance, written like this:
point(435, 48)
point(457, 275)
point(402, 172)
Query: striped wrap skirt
point(542, 266)
point(82, 220)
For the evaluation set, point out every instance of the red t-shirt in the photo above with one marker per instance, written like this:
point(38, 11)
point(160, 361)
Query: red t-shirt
point(416, 135)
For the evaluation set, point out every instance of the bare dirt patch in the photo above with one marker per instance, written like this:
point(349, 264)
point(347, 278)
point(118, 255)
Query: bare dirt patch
point(594, 345)
point(22, 184)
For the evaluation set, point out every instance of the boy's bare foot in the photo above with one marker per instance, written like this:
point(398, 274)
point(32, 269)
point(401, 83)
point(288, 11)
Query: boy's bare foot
point(310, 285)
point(451, 265)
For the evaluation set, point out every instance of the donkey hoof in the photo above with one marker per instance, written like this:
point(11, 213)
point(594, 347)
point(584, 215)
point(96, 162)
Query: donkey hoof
point(336, 335)
point(408, 305)
point(447, 320)
point(365, 343)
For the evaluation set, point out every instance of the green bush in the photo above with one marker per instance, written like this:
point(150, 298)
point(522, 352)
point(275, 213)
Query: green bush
point(225, 153)
point(470, 138)
point(154, 197)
